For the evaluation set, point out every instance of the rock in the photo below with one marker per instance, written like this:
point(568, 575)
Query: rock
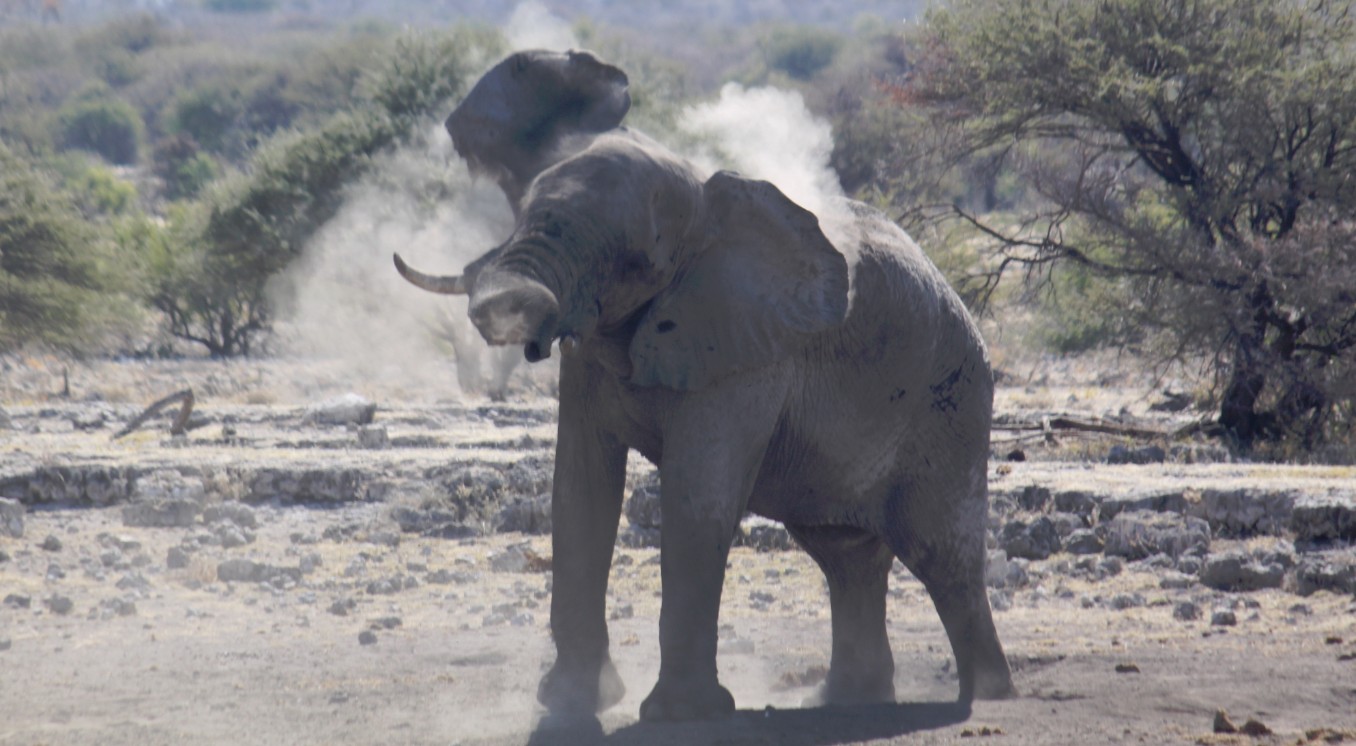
point(1034, 498)
point(624, 611)
point(996, 569)
point(1076, 501)
point(176, 558)
point(1000, 600)
point(230, 536)
point(348, 409)
point(1067, 523)
point(519, 558)
point(529, 515)
point(5, 644)
point(161, 514)
point(1246, 512)
point(1152, 501)
point(764, 535)
point(1223, 618)
point(164, 499)
point(1255, 728)
point(241, 571)
point(1186, 611)
point(367, 637)
point(133, 581)
point(11, 518)
point(432, 522)
point(1324, 519)
point(1120, 454)
point(638, 537)
point(55, 572)
point(317, 485)
point(232, 512)
point(1084, 541)
point(59, 604)
point(1035, 541)
point(1176, 581)
point(1136, 535)
point(1336, 573)
point(1237, 571)
point(342, 606)
point(373, 437)
point(642, 509)
point(1223, 724)
point(1123, 601)
point(1127, 668)
point(18, 601)
point(51, 544)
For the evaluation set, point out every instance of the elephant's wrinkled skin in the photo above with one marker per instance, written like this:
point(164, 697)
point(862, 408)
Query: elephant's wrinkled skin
point(819, 373)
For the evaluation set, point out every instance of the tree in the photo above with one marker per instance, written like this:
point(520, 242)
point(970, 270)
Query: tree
point(212, 269)
point(50, 279)
point(1199, 150)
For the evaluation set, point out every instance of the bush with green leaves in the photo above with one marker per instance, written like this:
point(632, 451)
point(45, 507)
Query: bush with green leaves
point(800, 52)
point(98, 121)
point(252, 225)
point(52, 283)
point(1200, 153)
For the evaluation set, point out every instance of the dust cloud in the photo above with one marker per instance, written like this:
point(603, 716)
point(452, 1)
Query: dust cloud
point(343, 302)
point(770, 134)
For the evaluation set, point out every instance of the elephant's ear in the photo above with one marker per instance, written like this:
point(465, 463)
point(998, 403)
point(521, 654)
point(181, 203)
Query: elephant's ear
point(518, 114)
point(765, 281)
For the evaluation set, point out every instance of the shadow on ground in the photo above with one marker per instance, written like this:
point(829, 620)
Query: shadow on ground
point(810, 727)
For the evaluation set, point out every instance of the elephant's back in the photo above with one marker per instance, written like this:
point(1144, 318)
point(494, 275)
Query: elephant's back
point(904, 384)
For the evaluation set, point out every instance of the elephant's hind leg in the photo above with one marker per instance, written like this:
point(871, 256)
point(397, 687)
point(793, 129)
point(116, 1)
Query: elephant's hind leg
point(857, 566)
point(947, 556)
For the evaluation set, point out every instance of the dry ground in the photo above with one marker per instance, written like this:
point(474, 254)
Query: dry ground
point(458, 652)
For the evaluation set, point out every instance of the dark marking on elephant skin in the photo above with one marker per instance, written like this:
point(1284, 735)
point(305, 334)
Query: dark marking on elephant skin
point(944, 391)
point(666, 326)
point(899, 394)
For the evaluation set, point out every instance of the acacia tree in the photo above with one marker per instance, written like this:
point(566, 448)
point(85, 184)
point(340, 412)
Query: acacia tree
point(1201, 151)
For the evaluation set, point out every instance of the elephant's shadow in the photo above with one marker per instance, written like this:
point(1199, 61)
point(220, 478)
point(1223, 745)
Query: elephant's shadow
point(800, 727)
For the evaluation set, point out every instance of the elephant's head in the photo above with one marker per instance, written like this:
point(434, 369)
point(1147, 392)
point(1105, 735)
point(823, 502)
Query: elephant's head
point(695, 281)
point(534, 109)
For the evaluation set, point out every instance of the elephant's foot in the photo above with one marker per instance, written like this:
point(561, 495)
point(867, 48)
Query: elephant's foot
point(580, 689)
point(854, 689)
point(687, 698)
point(994, 685)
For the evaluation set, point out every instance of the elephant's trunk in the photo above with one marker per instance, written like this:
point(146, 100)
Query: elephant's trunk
point(510, 308)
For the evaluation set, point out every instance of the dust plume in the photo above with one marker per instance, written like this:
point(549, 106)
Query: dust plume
point(343, 301)
point(533, 26)
point(770, 134)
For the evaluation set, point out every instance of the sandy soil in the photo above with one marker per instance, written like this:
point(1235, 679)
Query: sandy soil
point(454, 654)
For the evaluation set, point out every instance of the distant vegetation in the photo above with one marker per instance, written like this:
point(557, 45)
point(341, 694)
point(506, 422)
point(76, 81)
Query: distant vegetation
point(1168, 178)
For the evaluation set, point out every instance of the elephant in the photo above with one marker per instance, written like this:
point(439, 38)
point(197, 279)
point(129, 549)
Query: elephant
point(816, 370)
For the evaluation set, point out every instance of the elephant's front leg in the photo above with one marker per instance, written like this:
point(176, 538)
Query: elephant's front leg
point(586, 499)
point(714, 443)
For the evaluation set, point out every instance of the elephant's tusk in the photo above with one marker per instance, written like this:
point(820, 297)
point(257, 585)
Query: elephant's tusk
point(444, 285)
point(568, 344)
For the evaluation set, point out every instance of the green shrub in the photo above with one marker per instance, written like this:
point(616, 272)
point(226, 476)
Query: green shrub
point(801, 51)
point(98, 121)
point(183, 167)
point(100, 191)
point(50, 279)
point(206, 114)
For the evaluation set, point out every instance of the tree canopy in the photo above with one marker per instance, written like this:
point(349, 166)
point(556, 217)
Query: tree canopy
point(1203, 151)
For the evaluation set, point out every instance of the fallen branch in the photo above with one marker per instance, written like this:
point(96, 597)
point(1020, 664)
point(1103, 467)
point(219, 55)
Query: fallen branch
point(180, 424)
point(1048, 425)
